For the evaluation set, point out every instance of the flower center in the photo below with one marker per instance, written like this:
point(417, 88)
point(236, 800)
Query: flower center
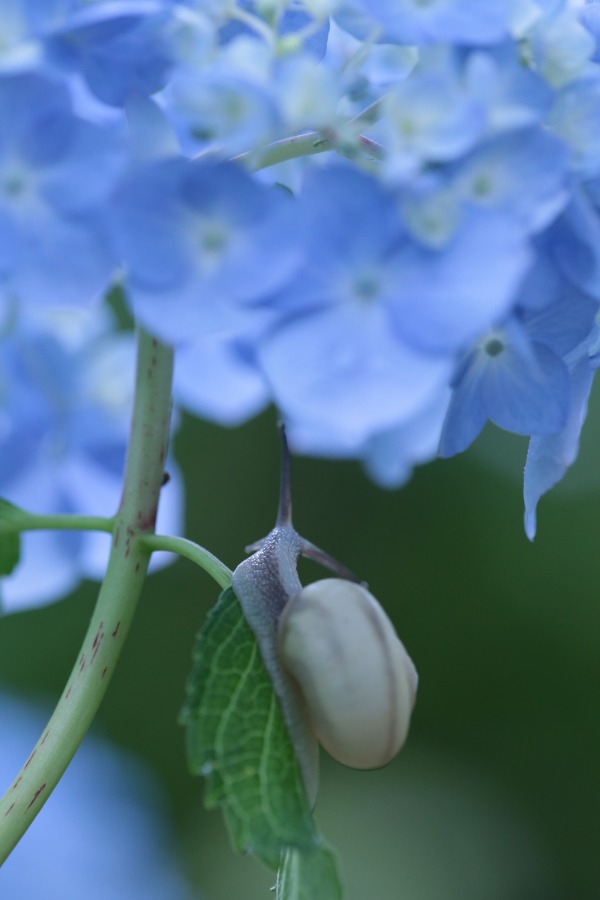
point(493, 347)
point(366, 286)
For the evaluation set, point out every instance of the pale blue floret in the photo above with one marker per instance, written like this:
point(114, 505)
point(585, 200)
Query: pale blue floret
point(414, 22)
point(335, 356)
point(522, 174)
point(64, 438)
point(201, 241)
point(56, 171)
point(461, 288)
point(25, 26)
point(67, 380)
point(574, 119)
point(429, 118)
point(221, 111)
point(518, 374)
point(120, 49)
point(516, 382)
point(559, 45)
point(513, 95)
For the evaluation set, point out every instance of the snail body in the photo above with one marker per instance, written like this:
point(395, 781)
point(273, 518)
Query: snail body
point(357, 680)
point(263, 584)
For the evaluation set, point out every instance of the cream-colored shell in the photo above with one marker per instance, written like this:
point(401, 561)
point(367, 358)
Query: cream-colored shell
point(357, 679)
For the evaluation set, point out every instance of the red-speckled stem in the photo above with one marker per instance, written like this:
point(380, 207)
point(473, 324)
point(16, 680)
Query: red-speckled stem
point(117, 598)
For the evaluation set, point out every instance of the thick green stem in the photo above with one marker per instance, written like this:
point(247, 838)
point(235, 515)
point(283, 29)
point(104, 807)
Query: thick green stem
point(116, 603)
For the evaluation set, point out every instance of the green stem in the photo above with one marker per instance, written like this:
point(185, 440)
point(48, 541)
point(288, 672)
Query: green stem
point(116, 602)
point(312, 142)
point(301, 145)
point(255, 23)
point(194, 552)
point(65, 522)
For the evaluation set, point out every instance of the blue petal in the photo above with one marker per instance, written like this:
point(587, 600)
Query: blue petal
point(523, 174)
point(589, 17)
point(69, 263)
point(406, 22)
point(344, 368)
point(215, 379)
point(147, 224)
point(390, 457)
point(549, 457)
point(564, 324)
point(466, 415)
point(449, 297)
point(575, 240)
point(574, 118)
point(527, 394)
point(121, 49)
point(522, 386)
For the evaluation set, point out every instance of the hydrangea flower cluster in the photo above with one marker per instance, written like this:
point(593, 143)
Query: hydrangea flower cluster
point(103, 786)
point(382, 215)
point(67, 383)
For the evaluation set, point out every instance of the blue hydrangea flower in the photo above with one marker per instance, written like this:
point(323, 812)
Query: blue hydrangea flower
point(25, 25)
point(574, 118)
point(67, 388)
point(120, 49)
point(559, 44)
point(513, 95)
point(517, 374)
point(522, 174)
point(432, 116)
point(221, 111)
point(335, 354)
point(200, 242)
point(415, 22)
point(56, 171)
point(517, 383)
point(449, 294)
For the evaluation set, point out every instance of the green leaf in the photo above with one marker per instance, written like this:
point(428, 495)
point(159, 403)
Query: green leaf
point(10, 539)
point(237, 739)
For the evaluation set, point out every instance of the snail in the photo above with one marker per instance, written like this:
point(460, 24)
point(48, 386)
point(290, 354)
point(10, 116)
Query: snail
point(339, 671)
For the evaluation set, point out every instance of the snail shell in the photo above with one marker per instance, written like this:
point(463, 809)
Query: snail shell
point(356, 678)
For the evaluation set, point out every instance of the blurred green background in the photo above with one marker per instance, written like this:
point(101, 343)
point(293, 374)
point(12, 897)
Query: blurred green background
point(497, 794)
